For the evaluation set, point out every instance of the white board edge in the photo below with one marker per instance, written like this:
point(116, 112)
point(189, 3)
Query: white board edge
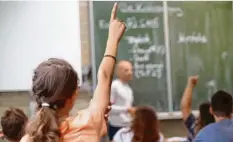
point(174, 115)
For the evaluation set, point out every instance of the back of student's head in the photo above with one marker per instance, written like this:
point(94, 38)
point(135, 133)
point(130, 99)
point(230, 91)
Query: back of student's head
point(205, 117)
point(13, 124)
point(54, 82)
point(145, 125)
point(221, 104)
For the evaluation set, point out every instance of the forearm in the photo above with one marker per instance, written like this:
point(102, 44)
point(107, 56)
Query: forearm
point(186, 101)
point(187, 97)
point(105, 74)
point(107, 65)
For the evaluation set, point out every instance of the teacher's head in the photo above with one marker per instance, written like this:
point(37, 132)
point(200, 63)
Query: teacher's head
point(125, 70)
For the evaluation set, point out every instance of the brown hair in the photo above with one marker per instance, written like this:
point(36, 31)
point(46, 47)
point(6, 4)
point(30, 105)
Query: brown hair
point(13, 124)
point(145, 125)
point(205, 118)
point(54, 82)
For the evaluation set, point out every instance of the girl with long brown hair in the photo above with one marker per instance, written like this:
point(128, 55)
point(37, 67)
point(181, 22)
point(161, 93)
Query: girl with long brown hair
point(144, 128)
point(194, 124)
point(55, 89)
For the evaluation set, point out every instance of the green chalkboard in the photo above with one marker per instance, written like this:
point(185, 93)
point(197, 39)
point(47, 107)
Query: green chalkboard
point(201, 42)
point(142, 44)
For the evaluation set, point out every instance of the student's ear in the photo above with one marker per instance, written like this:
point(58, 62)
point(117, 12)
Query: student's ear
point(211, 111)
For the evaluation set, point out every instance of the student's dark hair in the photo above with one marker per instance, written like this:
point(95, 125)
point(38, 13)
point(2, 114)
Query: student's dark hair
point(205, 116)
point(221, 103)
point(145, 125)
point(13, 124)
point(54, 81)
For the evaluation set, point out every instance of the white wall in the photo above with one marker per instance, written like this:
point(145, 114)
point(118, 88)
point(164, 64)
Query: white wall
point(31, 32)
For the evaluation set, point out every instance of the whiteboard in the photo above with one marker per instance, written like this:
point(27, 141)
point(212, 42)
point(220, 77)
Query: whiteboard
point(33, 31)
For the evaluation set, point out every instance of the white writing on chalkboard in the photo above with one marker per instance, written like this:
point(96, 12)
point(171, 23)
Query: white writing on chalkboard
point(144, 39)
point(134, 23)
point(125, 7)
point(142, 48)
point(148, 70)
point(158, 49)
point(139, 39)
point(193, 38)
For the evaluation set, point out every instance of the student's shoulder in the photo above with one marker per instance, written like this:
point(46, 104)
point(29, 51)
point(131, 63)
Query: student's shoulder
point(80, 119)
point(203, 135)
point(124, 130)
point(26, 138)
point(210, 128)
point(123, 133)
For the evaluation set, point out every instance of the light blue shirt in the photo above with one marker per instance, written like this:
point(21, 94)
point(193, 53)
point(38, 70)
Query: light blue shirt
point(217, 132)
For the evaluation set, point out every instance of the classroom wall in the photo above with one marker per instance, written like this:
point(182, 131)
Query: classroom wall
point(21, 99)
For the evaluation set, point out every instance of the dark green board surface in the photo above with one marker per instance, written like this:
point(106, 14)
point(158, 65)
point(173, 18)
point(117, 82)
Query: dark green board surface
point(200, 36)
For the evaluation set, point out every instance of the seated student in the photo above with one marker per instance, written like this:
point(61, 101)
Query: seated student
point(145, 128)
point(222, 130)
point(13, 124)
point(55, 89)
point(194, 125)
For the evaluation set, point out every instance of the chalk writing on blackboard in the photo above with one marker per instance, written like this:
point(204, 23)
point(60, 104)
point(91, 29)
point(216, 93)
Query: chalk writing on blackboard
point(148, 70)
point(139, 39)
point(195, 37)
point(141, 48)
point(134, 23)
point(139, 7)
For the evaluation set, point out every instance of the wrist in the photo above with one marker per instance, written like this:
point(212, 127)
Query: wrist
point(111, 48)
point(112, 43)
point(190, 86)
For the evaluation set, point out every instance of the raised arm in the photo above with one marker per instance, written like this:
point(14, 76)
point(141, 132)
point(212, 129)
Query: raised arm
point(101, 96)
point(186, 101)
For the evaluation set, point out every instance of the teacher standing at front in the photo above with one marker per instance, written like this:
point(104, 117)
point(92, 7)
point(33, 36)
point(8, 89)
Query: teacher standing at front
point(121, 99)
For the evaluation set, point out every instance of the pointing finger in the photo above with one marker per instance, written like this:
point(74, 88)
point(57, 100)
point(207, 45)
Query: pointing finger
point(114, 10)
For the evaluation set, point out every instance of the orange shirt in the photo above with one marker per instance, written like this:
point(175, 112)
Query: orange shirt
point(88, 125)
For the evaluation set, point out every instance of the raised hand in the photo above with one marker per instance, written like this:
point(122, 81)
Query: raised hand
point(116, 27)
point(192, 81)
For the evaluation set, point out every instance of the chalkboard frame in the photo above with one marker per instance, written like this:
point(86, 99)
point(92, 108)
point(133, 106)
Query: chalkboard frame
point(171, 114)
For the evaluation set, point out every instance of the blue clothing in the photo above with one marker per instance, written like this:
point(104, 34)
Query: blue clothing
point(217, 132)
point(112, 130)
point(190, 124)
